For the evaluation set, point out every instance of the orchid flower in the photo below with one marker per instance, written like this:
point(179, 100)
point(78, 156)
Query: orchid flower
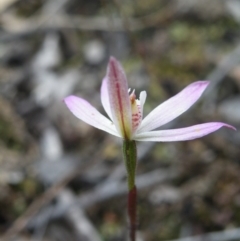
point(125, 111)
point(126, 121)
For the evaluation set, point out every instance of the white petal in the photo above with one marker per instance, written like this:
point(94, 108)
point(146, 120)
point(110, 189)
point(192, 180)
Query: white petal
point(173, 107)
point(87, 113)
point(142, 98)
point(182, 134)
point(105, 98)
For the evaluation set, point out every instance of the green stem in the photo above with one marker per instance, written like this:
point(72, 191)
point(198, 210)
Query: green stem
point(130, 159)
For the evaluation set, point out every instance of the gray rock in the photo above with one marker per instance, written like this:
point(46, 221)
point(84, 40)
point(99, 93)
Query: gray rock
point(165, 194)
point(53, 171)
point(204, 8)
point(50, 86)
point(49, 55)
point(233, 7)
point(229, 109)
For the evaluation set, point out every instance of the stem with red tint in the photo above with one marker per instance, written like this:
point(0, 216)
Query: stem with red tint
point(132, 212)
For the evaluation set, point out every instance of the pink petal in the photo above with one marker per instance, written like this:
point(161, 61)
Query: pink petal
point(119, 98)
point(105, 98)
point(173, 107)
point(87, 113)
point(182, 134)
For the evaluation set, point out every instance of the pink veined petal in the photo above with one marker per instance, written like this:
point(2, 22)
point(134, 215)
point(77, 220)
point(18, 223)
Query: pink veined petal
point(119, 98)
point(105, 98)
point(87, 113)
point(182, 134)
point(173, 107)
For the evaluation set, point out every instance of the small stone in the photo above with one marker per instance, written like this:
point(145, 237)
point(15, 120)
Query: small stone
point(94, 52)
point(51, 144)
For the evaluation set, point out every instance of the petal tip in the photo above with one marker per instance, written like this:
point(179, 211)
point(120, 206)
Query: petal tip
point(203, 83)
point(112, 58)
point(68, 98)
point(112, 61)
point(113, 65)
point(70, 101)
point(229, 126)
point(221, 124)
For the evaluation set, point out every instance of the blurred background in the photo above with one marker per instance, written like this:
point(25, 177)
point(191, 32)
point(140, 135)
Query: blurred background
point(61, 179)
